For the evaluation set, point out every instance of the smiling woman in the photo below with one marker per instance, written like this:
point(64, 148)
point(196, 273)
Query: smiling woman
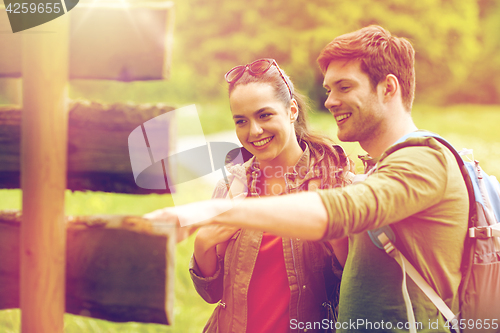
point(264, 124)
point(254, 275)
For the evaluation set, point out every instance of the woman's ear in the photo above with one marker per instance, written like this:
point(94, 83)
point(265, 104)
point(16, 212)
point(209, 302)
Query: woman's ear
point(294, 110)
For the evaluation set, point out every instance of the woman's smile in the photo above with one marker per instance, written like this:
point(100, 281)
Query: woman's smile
point(262, 144)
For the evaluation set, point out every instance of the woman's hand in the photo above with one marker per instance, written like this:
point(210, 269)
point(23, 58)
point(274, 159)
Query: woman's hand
point(210, 241)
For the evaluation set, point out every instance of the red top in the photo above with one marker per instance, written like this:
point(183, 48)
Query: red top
point(269, 292)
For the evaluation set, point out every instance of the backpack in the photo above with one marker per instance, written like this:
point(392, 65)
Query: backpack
point(479, 289)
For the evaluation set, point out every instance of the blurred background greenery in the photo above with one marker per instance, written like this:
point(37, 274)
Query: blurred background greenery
point(457, 45)
point(456, 41)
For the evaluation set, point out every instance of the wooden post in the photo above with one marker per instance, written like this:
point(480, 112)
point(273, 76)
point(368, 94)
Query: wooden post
point(43, 176)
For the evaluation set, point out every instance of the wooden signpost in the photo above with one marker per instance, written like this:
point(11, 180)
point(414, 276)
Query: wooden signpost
point(135, 46)
point(43, 169)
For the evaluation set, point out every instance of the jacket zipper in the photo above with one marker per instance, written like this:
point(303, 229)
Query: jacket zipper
point(297, 275)
point(287, 190)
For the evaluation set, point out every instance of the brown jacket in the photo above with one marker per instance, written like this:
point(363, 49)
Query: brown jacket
point(308, 264)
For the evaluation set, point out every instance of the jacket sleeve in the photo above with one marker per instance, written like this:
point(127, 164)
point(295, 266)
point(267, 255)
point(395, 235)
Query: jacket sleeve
point(209, 288)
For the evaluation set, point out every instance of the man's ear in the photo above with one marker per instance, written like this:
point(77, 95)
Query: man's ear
point(390, 87)
point(294, 110)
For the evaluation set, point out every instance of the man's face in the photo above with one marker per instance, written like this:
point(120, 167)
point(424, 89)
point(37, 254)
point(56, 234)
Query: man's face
point(357, 108)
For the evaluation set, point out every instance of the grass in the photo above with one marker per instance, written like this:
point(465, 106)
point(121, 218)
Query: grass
point(468, 126)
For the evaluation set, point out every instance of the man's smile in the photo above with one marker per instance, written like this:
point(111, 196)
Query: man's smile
point(341, 118)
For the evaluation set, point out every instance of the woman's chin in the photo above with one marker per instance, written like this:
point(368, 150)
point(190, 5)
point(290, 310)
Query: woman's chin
point(264, 156)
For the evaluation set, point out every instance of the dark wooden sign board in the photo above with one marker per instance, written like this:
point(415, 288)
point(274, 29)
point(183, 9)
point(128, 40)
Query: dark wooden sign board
point(98, 153)
point(118, 268)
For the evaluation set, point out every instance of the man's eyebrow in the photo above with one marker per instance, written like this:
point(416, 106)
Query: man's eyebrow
point(342, 80)
point(339, 81)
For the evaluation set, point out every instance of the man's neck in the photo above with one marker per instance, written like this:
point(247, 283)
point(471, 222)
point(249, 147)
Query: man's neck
point(378, 144)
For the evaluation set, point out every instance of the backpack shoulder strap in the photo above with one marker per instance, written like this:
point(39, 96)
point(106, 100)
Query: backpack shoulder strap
point(408, 268)
point(461, 164)
point(463, 171)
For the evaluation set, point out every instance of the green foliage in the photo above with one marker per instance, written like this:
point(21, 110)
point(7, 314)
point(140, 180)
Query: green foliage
point(482, 84)
point(456, 41)
point(213, 36)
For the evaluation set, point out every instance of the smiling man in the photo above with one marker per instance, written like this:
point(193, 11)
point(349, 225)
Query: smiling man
point(417, 190)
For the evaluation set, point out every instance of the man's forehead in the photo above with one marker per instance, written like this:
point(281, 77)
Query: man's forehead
point(341, 69)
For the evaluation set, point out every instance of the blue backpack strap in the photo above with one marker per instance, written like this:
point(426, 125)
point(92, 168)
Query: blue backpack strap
point(463, 169)
point(426, 134)
point(376, 232)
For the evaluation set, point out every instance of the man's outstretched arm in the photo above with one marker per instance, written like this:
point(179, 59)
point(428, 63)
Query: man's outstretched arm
point(300, 215)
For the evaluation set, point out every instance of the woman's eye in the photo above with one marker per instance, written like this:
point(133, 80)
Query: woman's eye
point(240, 122)
point(344, 88)
point(265, 115)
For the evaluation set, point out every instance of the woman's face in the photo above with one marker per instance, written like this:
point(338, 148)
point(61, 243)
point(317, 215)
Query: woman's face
point(264, 125)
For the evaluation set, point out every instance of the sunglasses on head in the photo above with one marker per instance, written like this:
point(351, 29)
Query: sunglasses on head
point(258, 67)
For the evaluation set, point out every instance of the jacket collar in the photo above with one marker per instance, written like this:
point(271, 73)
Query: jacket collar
point(300, 173)
point(368, 161)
